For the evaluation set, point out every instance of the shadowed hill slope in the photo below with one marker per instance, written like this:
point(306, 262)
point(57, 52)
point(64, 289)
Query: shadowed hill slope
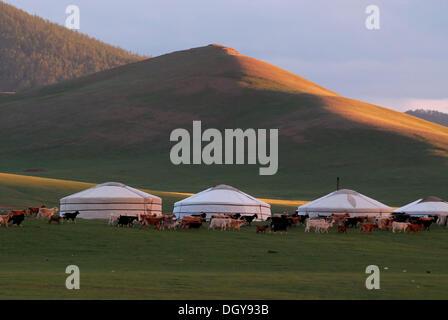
point(115, 125)
point(35, 52)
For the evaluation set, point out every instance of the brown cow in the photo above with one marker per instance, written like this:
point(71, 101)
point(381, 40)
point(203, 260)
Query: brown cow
point(415, 227)
point(57, 219)
point(17, 212)
point(368, 227)
point(32, 211)
point(384, 223)
point(262, 229)
point(188, 222)
point(342, 229)
point(152, 221)
point(46, 213)
point(5, 219)
point(236, 224)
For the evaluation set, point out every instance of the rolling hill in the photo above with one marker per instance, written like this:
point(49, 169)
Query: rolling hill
point(115, 126)
point(35, 52)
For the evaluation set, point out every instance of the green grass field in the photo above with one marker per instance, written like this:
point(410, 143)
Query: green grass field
point(132, 263)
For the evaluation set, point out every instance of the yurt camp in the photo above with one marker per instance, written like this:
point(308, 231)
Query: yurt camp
point(222, 199)
point(427, 206)
point(345, 201)
point(109, 198)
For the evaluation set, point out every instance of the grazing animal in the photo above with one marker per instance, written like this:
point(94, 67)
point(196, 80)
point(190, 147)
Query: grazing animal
point(112, 219)
point(71, 216)
point(32, 211)
point(261, 229)
point(399, 226)
point(143, 217)
point(189, 222)
point(300, 219)
point(401, 217)
point(249, 219)
point(223, 224)
point(235, 215)
point(152, 220)
point(169, 217)
point(172, 224)
point(313, 223)
point(279, 224)
point(367, 227)
point(426, 222)
point(17, 212)
point(352, 222)
point(5, 219)
point(342, 229)
point(126, 221)
point(236, 224)
point(324, 226)
point(53, 218)
point(413, 227)
point(46, 213)
point(384, 223)
point(17, 219)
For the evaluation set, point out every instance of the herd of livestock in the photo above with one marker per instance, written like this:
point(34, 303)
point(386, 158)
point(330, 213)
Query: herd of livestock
point(275, 223)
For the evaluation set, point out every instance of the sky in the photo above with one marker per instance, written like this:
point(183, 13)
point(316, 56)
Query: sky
point(403, 65)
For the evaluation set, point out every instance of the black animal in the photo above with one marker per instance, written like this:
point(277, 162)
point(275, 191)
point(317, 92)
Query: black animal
point(352, 222)
point(126, 221)
point(235, 216)
point(194, 225)
point(17, 219)
point(401, 217)
point(414, 220)
point(303, 218)
point(71, 216)
point(427, 222)
point(249, 219)
point(280, 224)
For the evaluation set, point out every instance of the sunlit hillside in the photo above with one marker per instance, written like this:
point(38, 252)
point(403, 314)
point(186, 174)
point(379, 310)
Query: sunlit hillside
point(115, 126)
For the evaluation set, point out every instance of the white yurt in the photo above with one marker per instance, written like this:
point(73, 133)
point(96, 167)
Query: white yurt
point(424, 207)
point(345, 201)
point(222, 199)
point(109, 198)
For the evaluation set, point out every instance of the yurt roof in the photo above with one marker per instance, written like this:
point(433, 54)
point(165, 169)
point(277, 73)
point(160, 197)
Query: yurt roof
point(426, 205)
point(222, 194)
point(345, 200)
point(112, 191)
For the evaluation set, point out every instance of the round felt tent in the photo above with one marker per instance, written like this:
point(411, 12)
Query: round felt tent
point(426, 206)
point(109, 198)
point(345, 201)
point(222, 199)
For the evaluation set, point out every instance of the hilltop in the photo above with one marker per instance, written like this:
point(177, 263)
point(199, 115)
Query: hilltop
point(115, 125)
point(35, 52)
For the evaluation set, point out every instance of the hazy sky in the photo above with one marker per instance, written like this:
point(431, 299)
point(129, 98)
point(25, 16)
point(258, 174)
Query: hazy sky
point(403, 65)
